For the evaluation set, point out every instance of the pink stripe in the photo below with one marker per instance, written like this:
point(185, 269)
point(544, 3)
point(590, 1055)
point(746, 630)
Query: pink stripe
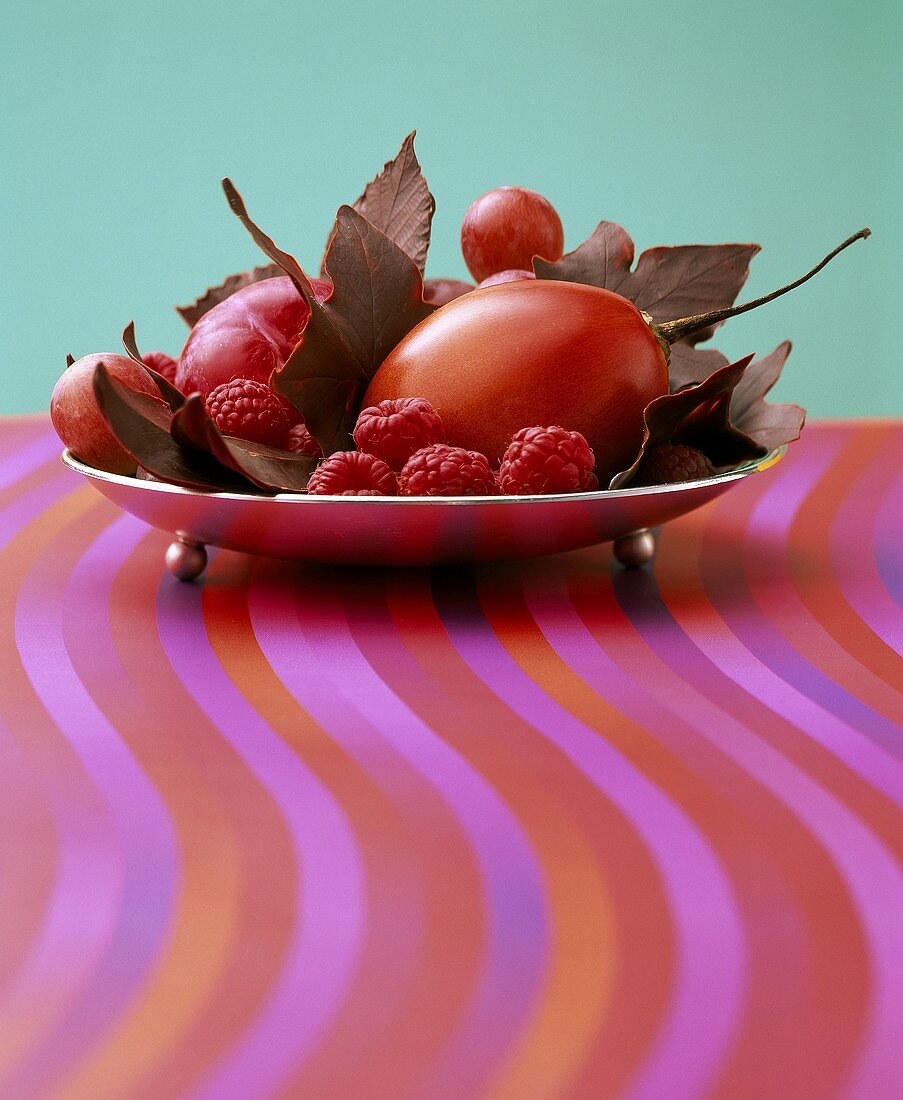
point(110, 829)
point(745, 651)
point(326, 672)
point(330, 904)
point(886, 545)
point(868, 870)
point(855, 530)
point(709, 990)
point(756, 618)
point(33, 454)
point(514, 976)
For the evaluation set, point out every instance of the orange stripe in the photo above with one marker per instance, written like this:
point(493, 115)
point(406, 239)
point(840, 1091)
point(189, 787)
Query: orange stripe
point(807, 996)
point(864, 664)
point(578, 985)
point(644, 931)
point(62, 528)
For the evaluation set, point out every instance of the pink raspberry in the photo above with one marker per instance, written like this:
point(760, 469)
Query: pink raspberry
point(669, 463)
point(162, 363)
point(441, 471)
point(353, 474)
point(547, 460)
point(394, 430)
point(300, 441)
point(249, 410)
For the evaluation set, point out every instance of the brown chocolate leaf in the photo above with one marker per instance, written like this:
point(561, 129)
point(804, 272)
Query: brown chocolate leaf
point(771, 425)
point(266, 467)
point(141, 423)
point(377, 299)
point(667, 283)
point(284, 260)
point(172, 396)
point(70, 359)
point(398, 202)
point(191, 314)
point(698, 416)
point(688, 365)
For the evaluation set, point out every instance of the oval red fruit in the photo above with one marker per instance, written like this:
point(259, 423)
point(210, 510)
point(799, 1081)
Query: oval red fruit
point(532, 352)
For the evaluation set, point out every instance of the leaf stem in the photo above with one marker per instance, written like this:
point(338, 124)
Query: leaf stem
point(672, 331)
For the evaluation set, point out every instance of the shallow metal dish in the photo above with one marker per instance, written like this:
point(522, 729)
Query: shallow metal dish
point(406, 530)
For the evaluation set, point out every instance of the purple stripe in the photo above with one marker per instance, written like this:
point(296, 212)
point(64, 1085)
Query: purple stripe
point(329, 667)
point(769, 525)
point(330, 904)
point(149, 844)
point(507, 998)
point(709, 990)
point(109, 823)
point(23, 460)
point(743, 667)
point(887, 549)
point(852, 533)
point(24, 509)
point(869, 871)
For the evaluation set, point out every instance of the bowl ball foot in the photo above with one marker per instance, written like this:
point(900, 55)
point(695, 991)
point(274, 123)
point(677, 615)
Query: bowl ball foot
point(186, 560)
point(635, 550)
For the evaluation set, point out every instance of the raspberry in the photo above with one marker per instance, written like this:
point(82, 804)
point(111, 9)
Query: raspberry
point(353, 474)
point(162, 363)
point(249, 410)
point(441, 471)
point(394, 430)
point(669, 463)
point(300, 441)
point(547, 460)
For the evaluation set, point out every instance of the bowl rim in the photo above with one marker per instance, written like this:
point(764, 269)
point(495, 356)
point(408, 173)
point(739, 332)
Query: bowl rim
point(127, 481)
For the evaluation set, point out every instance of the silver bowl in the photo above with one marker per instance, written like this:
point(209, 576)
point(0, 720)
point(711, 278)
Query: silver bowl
point(395, 531)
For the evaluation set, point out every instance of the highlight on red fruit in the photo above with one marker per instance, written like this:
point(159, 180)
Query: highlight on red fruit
point(504, 229)
point(78, 420)
point(248, 335)
point(513, 275)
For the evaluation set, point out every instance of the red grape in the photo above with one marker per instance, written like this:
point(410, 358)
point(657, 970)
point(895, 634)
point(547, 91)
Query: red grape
point(505, 228)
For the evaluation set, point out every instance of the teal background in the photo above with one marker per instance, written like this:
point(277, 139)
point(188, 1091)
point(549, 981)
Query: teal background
point(775, 122)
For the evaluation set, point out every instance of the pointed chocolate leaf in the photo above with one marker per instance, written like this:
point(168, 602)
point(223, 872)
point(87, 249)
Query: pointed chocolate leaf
point(141, 423)
point(689, 366)
point(211, 297)
point(172, 396)
point(266, 467)
point(398, 202)
point(667, 283)
point(771, 425)
point(377, 299)
point(699, 417)
point(602, 260)
point(70, 359)
point(266, 244)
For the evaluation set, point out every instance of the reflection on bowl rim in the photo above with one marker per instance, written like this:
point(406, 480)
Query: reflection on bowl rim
point(734, 474)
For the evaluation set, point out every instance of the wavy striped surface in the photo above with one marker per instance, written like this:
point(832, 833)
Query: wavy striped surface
point(538, 830)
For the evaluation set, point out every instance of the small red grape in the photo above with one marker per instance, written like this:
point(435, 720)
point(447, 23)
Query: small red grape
point(505, 228)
